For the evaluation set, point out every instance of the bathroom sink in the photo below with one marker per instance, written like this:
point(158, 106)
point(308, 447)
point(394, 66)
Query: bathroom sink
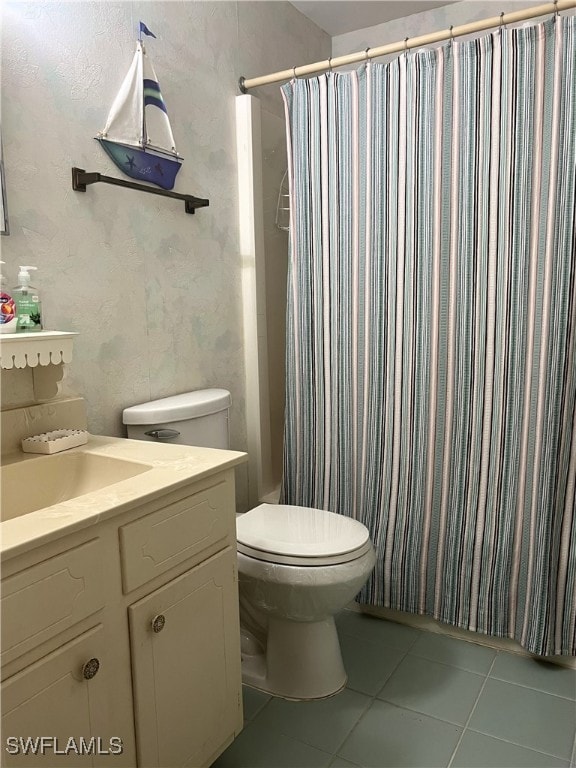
point(43, 481)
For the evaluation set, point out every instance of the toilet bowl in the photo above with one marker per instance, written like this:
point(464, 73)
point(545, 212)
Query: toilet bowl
point(297, 568)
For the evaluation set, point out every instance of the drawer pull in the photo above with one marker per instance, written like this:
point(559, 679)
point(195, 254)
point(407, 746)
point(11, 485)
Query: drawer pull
point(90, 669)
point(158, 623)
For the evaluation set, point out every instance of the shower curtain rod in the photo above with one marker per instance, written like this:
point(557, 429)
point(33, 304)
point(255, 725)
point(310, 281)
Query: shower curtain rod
point(414, 42)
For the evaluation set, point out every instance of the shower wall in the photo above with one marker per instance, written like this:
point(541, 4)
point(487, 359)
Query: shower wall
point(264, 253)
point(273, 140)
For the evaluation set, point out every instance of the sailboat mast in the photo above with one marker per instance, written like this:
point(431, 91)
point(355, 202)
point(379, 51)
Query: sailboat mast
point(142, 54)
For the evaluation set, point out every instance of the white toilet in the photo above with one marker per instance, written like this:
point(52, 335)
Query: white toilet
point(297, 566)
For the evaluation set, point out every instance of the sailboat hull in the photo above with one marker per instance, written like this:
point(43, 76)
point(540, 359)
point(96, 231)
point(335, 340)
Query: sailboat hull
point(143, 165)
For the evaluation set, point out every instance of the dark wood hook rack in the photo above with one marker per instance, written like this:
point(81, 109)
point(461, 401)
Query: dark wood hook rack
point(81, 179)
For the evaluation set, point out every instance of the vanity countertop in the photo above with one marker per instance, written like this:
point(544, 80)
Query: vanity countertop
point(165, 468)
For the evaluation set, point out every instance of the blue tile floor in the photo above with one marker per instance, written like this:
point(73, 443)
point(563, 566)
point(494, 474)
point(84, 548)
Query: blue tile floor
point(416, 699)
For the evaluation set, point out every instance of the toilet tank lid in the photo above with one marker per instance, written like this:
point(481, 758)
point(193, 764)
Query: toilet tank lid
point(189, 405)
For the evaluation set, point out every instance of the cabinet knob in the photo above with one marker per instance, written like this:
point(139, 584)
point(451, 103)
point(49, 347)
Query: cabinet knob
point(90, 669)
point(158, 623)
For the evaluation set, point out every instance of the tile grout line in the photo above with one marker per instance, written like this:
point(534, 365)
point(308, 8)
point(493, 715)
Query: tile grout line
point(418, 637)
point(408, 651)
point(373, 698)
point(495, 677)
point(289, 736)
point(406, 708)
point(531, 688)
point(472, 712)
point(516, 744)
point(451, 666)
point(332, 753)
point(488, 673)
point(498, 738)
point(345, 739)
point(262, 708)
point(378, 641)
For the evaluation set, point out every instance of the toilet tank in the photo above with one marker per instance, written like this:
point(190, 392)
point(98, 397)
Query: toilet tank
point(193, 418)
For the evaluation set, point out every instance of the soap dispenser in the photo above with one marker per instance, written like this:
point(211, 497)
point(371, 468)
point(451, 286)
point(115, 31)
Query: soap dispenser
point(8, 318)
point(28, 306)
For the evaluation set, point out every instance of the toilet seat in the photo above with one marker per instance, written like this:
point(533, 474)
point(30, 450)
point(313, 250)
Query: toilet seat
point(301, 536)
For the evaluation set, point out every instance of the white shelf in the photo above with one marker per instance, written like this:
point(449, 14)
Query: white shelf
point(29, 350)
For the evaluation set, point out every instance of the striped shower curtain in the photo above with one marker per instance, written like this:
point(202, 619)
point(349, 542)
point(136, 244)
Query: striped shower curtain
point(431, 343)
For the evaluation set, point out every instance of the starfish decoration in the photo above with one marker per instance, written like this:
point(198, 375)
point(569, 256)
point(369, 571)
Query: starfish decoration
point(130, 162)
point(158, 167)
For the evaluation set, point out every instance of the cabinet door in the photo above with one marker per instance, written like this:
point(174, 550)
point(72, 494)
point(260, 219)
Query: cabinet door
point(60, 698)
point(186, 666)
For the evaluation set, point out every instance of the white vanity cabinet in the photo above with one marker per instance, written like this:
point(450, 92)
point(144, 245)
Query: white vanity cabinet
point(66, 693)
point(65, 659)
point(184, 635)
point(128, 630)
point(185, 665)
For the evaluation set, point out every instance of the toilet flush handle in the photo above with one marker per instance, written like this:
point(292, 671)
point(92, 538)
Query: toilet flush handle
point(163, 434)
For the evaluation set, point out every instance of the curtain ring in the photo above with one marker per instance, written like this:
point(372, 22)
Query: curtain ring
point(501, 21)
point(406, 46)
point(556, 11)
point(294, 73)
point(330, 64)
point(451, 33)
point(366, 57)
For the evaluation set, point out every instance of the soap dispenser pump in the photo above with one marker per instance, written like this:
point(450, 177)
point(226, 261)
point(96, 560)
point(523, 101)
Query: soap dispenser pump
point(28, 305)
point(8, 318)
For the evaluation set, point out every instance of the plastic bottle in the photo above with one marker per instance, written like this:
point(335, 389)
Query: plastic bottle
point(8, 318)
point(28, 305)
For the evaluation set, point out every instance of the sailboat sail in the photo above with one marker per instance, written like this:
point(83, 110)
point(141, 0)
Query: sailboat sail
point(158, 129)
point(124, 122)
point(138, 136)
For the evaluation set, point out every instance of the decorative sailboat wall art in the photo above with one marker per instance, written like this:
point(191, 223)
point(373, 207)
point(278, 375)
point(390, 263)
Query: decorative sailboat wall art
point(138, 136)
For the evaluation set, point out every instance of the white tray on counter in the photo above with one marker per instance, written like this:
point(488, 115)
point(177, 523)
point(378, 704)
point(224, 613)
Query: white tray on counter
point(56, 441)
